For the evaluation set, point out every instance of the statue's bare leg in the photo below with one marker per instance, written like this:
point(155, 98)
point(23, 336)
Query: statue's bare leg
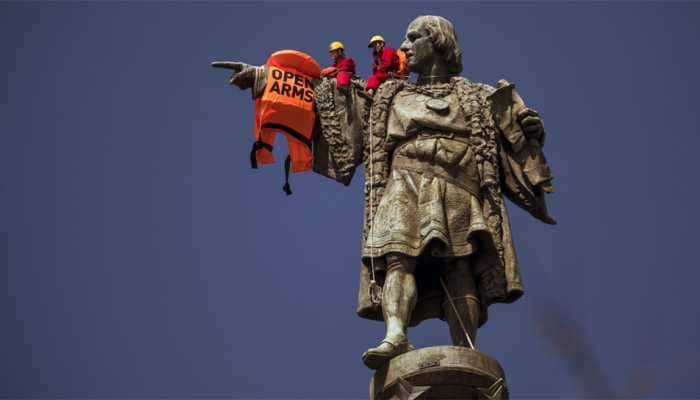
point(461, 284)
point(398, 299)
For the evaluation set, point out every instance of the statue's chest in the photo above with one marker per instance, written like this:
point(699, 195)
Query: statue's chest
point(412, 112)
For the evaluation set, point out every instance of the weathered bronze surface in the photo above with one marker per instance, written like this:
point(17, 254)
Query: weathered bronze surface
point(439, 157)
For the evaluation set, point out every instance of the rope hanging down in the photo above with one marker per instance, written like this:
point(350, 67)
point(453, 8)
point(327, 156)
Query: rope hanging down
point(459, 317)
point(375, 291)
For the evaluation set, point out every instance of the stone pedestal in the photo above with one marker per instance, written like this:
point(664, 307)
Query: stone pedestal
point(441, 372)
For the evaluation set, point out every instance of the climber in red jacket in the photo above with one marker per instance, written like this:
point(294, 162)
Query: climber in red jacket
point(343, 67)
point(384, 66)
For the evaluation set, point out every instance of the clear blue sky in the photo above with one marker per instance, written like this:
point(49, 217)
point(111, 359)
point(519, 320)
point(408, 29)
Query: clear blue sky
point(142, 257)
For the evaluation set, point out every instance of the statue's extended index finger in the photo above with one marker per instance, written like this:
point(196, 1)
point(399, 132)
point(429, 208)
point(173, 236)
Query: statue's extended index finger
point(232, 65)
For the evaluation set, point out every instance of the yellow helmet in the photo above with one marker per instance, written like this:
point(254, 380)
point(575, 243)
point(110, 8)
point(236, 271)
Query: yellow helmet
point(376, 38)
point(335, 46)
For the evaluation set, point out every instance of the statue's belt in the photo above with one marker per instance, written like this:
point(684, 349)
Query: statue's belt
point(402, 140)
point(455, 175)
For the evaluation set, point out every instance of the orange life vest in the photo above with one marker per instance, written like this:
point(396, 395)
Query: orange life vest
point(286, 105)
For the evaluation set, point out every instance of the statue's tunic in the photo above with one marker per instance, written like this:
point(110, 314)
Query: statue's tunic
point(431, 202)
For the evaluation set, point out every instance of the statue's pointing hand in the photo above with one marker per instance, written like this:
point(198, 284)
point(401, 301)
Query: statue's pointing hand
point(531, 123)
point(243, 74)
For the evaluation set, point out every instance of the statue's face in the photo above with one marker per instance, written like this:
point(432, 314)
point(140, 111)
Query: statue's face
point(418, 46)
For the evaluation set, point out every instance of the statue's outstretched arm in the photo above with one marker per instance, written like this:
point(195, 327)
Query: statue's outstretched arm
point(341, 116)
point(245, 76)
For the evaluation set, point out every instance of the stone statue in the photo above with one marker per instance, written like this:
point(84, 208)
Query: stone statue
point(439, 156)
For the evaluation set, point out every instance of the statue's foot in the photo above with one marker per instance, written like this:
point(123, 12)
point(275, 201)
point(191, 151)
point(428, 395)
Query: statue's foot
point(375, 357)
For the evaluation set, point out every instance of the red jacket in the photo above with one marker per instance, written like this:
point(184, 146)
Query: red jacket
point(342, 69)
point(346, 69)
point(383, 67)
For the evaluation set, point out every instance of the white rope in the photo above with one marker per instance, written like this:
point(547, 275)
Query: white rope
point(375, 297)
point(459, 318)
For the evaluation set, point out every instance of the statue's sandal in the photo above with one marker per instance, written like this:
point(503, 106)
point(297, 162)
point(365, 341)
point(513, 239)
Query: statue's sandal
point(375, 357)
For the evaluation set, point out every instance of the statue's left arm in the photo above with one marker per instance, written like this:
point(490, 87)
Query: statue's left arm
point(525, 173)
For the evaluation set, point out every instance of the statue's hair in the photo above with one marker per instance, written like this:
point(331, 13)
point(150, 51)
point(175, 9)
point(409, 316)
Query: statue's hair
point(444, 38)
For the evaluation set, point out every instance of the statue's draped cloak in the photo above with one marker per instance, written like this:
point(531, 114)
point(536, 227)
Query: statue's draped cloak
point(496, 169)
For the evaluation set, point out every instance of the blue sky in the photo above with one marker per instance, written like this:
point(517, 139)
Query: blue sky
point(144, 258)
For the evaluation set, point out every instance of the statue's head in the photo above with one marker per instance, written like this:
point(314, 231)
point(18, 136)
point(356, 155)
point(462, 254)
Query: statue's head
point(428, 37)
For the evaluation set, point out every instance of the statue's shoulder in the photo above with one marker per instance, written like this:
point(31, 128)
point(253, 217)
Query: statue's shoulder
point(389, 89)
point(386, 92)
point(469, 86)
